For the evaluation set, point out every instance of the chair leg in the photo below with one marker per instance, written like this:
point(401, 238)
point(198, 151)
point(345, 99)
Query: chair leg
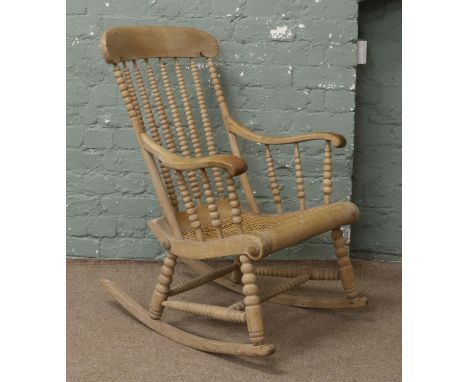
point(161, 291)
point(236, 274)
point(348, 280)
point(253, 310)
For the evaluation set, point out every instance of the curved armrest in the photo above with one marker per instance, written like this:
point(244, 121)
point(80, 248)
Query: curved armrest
point(232, 164)
point(234, 127)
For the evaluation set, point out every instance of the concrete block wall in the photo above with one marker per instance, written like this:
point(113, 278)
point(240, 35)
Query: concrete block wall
point(286, 66)
point(377, 165)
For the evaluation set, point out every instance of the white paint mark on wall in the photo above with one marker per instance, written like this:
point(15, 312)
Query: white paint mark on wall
point(328, 85)
point(289, 69)
point(106, 4)
point(76, 41)
point(241, 74)
point(281, 32)
point(107, 118)
point(302, 26)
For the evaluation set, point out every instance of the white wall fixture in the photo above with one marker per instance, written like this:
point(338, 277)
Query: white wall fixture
point(361, 52)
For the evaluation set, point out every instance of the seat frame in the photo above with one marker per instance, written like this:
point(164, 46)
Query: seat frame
point(181, 176)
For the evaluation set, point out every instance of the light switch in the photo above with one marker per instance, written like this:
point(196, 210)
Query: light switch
point(361, 52)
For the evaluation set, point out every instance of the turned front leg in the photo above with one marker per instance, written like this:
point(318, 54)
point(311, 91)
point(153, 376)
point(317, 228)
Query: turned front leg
point(161, 291)
point(348, 280)
point(253, 310)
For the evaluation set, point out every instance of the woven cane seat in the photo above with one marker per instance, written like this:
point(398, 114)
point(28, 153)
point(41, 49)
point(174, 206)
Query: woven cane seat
point(287, 224)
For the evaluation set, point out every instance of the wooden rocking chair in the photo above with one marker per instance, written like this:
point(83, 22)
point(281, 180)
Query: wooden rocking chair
point(209, 221)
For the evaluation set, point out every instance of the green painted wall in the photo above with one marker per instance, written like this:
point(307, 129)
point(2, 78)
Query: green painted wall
point(286, 67)
point(377, 163)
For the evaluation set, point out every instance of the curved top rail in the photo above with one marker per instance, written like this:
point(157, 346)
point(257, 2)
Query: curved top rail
point(145, 41)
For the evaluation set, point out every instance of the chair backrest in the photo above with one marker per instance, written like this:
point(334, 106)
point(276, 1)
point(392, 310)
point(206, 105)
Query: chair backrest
point(151, 66)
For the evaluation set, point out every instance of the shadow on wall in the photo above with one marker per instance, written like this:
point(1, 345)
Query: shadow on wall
point(377, 161)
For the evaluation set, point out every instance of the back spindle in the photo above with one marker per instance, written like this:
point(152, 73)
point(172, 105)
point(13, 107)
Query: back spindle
point(232, 194)
point(217, 88)
point(327, 174)
point(231, 136)
point(154, 131)
point(179, 128)
point(146, 104)
point(188, 110)
point(207, 128)
point(131, 92)
point(189, 205)
point(137, 124)
point(121, 83)
point(170, 144)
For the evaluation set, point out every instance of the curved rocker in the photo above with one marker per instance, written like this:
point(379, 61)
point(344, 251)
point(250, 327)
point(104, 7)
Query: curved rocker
point(284, 298)
point(181, 336)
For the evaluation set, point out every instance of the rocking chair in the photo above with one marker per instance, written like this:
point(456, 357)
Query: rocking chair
point(202, 216)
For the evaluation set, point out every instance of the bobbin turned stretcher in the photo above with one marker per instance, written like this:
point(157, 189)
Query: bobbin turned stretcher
point(196, 187)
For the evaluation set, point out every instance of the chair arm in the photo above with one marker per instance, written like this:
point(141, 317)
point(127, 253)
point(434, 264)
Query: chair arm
point(234, 127)
point(232, 164)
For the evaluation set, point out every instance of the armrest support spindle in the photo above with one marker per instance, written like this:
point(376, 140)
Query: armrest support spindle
point(273, 180)
point(235, 204)
point(327, 174)
point(212, 207)
point(299, 177)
